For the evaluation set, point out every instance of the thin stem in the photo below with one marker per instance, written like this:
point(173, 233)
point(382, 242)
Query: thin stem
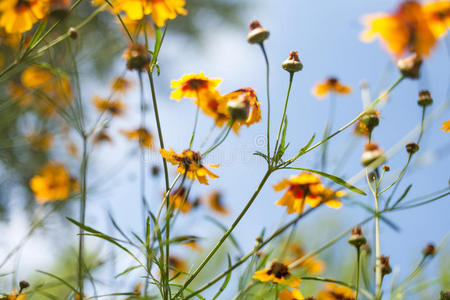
point(421, 125)
point(219, 142)
point(195, 122)
point(328, 128)
point(83, 177)
point(358, 258)
point(225, 236)
point(266, 59)
point(291, 77)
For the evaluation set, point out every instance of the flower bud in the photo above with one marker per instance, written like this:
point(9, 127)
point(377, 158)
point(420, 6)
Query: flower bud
point(370, 119)
point(238, 108)
point(410, 66)
point(137, 57)
point(424, 98)
point(23, 285)
point(385, 266)
point(357, 239)
point(155, 170)
point(412, 148)
point(292, 63)
point(430, 250)
point(257, 33)
point(372, 153)
point(60, 9)
point(73, 33)
point(386, 168)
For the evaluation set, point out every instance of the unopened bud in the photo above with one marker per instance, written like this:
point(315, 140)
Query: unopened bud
point(257, 33)
point(357, 239)
point(410, 66)
point(73, 33)
point(386, 168)
point(412, 148)
point(385, 266)
point(370, 119)
point(23, 284)
point(372, 153)
point(238, 109)
point(430, 250)
point(155, 170)
point(137, 57)
point(424, 98)
point(292, 63)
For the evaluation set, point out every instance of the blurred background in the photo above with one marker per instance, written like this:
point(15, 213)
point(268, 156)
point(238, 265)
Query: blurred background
point(212, 39)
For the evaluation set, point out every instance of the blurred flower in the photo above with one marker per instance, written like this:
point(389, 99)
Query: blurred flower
point(136, 26)
point(137, 57)
point(372, 153)
point(213, 105)
point(331, 85)
point(161, 10)
point(113, 107)
point(336, 292)
point(190, 164)
point(121, 85)
point(215, 202)
point(304, 189)
point(40, 140)
point(312, 264)
point(15, 295)
point(446, 126)
point(13, 40)
point(177, 265)
point(407, 29)
point(277, 273)
point(72, 149)
point(290, 295)
point(191, 85)
point(142, 135)
point(18, 16)
point(438, 13)
point(243, 99)
point(178, 198)
point(101, 137)
point(136, 291)
point(52, 183)
point(193, 244)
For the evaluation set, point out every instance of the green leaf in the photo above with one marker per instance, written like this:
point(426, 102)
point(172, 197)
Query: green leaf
point(402, 196)
point(59, 279)
point(334, 178)
point(127, 270)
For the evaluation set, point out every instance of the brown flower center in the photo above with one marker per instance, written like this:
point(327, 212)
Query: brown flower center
point(278, 269)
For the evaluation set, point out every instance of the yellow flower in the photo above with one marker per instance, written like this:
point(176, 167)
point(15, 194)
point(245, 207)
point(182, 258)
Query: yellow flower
point(177, 265)
point(290, 295)
point(101, 137)
point(15, 295)
point(136, 26)
point(178, 198)
point(161, 10)
point(189, 163)
point(247, 97)
point(446, 126)
point(13, 40)
point(40, 140)
point(331, 85)
point(142, 135)
point(18, 16)
point(52, 183)
point(213, 105)
point(312, 264)
point(438, 13)
point(407, 29)
point(278, 273)
point(193, 245)
point(121, 85)
point(304, 189)
point(336, 292)
point(190, 86)
point(113, 107)
point(215, 202)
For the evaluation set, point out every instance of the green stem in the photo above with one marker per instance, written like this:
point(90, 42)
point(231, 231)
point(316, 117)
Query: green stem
point(358, 258)
point(219, 142)
point(266, 59)
point(225, 236)
point(195, 122)
point(83, 178)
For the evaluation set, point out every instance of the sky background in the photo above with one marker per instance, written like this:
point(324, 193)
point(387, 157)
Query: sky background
point(325, 33)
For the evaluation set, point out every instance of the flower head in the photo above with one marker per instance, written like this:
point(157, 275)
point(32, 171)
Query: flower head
point(303, 189)
point(312, 265)
point(177, 265)
point(290, 295)
point(137, 57)
point(191, 85)
point(336, 292)
point(178, 198)
point(15, 295)
point(215, 202)
point(52, 183)
point(18, 16)
point(113, 107)
point(121, 85)
point(142, 135)
point(446, 126)
point(243, 107)
point(331, 85)
point(278, 273)
point(190, 163)
point(101, 137)
point(438, 14)
point(405, 30)
point(257, 33)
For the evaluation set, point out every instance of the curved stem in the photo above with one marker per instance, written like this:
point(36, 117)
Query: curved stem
point(266, 59)
point(219, 142)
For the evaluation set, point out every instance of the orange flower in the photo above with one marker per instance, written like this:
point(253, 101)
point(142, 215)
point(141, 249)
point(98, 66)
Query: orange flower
point(142, 135)
point(177, 265)
point(113, 107)
point(178, 198)
point(18, 16)
point(446, 126)
point(304, 189)
point(243, 99)
point(40, 140)
point(213, 105)
point(215, 202)
point(121, 85)
point(312, 265)
point(290, 295)
point(15, 295)
point(52, 183)
point(336, 292)
point(190, 86)
point(101, 137)
point(407, 29)
point(438, 13)
point(189, 163)
point(278, 273)
point(161, 10)
point(331, 85)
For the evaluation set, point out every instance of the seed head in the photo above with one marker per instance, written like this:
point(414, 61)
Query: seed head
point(292, 64)
point(257, 33)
